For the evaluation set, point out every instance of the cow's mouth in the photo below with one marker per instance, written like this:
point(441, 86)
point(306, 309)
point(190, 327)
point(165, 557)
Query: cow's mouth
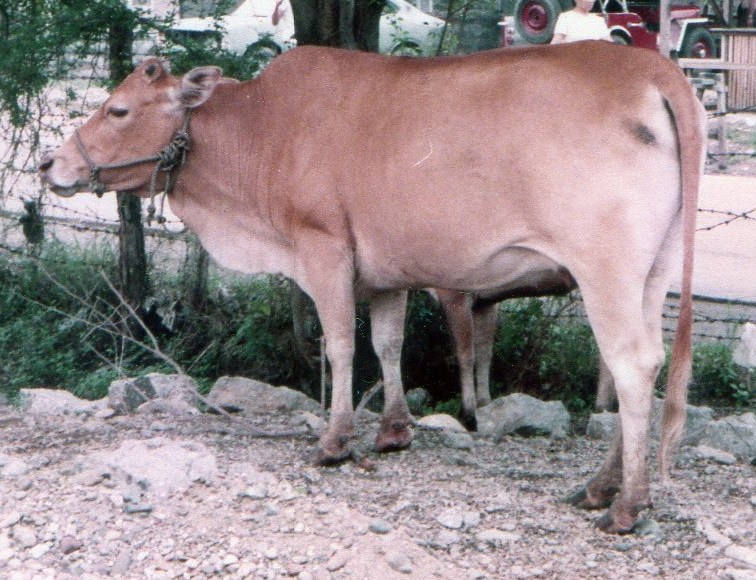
point(66, 191)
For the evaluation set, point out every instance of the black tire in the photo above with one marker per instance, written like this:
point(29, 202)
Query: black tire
point(698, 43)
point(406, 49)
point(621, 39)
point(264, 48)
point(535, 19)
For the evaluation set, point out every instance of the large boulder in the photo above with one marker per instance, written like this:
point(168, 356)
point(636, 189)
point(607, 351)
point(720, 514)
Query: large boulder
point(56, 402)
point(601, 425)
point(523, 414)
point(250, 397)
point(735, 434)
point(175, 394)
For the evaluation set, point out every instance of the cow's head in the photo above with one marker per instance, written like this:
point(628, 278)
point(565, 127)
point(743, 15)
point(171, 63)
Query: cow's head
point(139, 119)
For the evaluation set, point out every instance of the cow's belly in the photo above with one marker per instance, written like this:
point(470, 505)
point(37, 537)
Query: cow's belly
point(502, 272)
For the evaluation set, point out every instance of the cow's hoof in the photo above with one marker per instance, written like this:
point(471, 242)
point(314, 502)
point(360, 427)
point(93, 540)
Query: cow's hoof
point(469, 421)
point(332, 450)
point(587, 501)
point(393, 438)
point(613, 523)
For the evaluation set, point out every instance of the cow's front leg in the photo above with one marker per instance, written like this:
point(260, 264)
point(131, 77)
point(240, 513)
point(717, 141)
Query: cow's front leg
point(387, 312)
point(328, 277)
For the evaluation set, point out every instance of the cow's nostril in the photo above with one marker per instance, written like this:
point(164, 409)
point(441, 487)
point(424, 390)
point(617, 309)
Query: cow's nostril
point(46, 164)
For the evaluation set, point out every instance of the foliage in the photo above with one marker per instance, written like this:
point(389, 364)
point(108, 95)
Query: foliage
point(716, 377)
point(542, 351)
point(42, 40)
point(38, 346)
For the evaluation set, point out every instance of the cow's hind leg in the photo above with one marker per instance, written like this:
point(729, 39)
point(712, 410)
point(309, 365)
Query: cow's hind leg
point(605, 397)
point(485, 321)
point(633, 354)
point(458, 310)
point(387, 313)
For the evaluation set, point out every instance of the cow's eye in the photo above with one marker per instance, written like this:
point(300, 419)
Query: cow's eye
point(118, 112)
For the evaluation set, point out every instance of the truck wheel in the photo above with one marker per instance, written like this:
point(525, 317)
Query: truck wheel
point(535, 19)
point(698, 43)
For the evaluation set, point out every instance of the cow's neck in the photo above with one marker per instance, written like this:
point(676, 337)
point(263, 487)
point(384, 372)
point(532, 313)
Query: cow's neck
point(217, 194)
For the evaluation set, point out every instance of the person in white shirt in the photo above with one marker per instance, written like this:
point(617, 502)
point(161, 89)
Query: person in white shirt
point(580, 24)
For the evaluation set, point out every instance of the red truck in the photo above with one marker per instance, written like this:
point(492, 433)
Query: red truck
point(633, 23)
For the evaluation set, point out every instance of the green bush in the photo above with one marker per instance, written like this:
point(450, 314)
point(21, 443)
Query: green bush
point(42, 342)
point(717, 379)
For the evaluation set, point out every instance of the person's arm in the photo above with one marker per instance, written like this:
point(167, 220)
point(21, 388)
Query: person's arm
point(560, 30)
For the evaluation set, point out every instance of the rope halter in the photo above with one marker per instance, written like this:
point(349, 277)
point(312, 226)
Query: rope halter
point(169, 159)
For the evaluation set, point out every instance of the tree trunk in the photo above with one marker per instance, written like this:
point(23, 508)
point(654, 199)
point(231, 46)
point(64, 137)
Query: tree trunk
point(194, 276)
point(340, 23)
point(132, 258)
point(349, 24)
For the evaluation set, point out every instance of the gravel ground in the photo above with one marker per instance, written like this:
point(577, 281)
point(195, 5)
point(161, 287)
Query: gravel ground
point(429, 512)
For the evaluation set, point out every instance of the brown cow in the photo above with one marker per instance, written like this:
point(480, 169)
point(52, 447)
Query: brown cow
point(520, 167)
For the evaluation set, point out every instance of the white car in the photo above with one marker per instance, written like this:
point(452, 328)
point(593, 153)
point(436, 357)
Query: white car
point(269, 24)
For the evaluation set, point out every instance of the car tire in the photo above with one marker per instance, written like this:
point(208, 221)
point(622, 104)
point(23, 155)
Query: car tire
point(620, 38)
point(406, 49)
point(535, 19)
point(698, 43)
point(264, 49)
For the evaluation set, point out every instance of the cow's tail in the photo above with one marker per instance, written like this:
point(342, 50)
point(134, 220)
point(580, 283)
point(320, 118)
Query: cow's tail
point(690, 122)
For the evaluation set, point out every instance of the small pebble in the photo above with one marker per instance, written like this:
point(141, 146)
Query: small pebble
point(379, 526)
point(69, 544)
point(399, 562)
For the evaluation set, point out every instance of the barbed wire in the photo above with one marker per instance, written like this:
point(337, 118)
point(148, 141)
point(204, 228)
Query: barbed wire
point(731, 217)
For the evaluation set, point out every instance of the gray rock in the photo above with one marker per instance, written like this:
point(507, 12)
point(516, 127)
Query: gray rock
point(122, 563)
point(48, 402)
point(745, 353)
point(442, 421)
point(175, 394)
point(417, 399)
point(12, 466)
point(455, 440)
point(378, 526)
point(399, 562)
point(250, 397)
point(704, 452)
point(158, 465)
point(452, 519)
point(24, 535)
point(742, 554)
point(69, 544)
point(601, 425)
point(447, 538)
point(314, 422)
point(523, 414)
point(497, 537)
point(735, 434)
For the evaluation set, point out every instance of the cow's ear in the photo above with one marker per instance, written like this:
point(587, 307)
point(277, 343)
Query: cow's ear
point(197, 85)
point(155, 69)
